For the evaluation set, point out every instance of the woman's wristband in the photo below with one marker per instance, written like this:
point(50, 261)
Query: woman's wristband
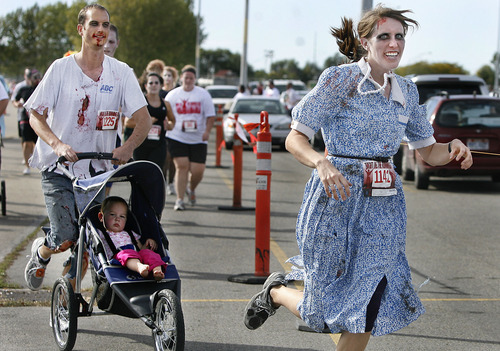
point(449, 147)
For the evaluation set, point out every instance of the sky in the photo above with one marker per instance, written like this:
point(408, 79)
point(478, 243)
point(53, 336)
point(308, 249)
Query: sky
point(454, 31)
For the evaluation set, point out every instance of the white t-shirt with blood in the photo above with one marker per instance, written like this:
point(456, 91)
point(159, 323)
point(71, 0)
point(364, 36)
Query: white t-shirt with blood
point(191, 110)
point(84, 113)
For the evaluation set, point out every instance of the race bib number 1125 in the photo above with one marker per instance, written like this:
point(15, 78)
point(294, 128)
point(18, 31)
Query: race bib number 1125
point(107, 120)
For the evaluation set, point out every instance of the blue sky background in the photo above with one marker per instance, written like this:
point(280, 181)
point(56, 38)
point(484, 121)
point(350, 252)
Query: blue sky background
point(455, 31)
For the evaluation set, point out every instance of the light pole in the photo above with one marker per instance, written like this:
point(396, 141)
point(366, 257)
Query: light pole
point(366, 5)
point(497, 59)
point(243, 64)
point(269, 55)
point(197, 50)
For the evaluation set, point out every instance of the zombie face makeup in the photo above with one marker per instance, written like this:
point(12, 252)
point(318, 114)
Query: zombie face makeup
point(111, 44)
point(385, 47)
point(95, 29)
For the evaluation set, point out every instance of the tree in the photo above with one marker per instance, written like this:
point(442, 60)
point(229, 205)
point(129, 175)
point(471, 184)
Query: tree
point(154, 29)
point(310, 72)
point(423, 67)
point(335, 60)
point(288, 69)
point(488, 74)
point(212, 61)
point(32, 38)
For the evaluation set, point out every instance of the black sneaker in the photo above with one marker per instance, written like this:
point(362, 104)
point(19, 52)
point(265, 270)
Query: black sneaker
point(260, 307)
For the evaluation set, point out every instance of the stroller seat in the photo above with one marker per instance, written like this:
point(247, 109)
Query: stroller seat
point(118, 273)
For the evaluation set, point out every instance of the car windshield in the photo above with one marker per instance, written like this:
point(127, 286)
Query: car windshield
point(426, 90)
point(222, 93)
point(465, 113)
point(257, 106)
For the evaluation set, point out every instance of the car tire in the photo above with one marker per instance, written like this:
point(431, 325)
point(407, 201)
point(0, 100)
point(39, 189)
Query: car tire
point(407, 173)
point(421, 179)
point(397, 160)
point(317, 142)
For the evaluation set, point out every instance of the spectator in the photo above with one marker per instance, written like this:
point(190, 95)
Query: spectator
point(28, 135)
point(291, 98)
point(242, 91)
point(271, 91)
point(194, 115)
point(66, 111)
point(259, 89)
point(154, 148)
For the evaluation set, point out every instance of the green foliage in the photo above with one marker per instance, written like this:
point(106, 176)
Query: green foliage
point(212, 61)
point(335, 60)
point(154, 29)
point(32, 38)
point(423, 67)
point(488, 74)
point(285, 69)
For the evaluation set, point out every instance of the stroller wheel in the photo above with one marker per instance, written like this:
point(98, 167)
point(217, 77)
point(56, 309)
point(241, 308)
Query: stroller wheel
point(170, 322)
point(64, 314)
point(3, 198)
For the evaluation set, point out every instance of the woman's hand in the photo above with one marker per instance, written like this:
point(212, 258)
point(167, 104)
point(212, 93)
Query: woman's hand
point(459, 151)
point(333, 181)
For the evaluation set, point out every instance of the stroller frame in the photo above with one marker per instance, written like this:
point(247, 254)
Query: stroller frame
point(116, 289)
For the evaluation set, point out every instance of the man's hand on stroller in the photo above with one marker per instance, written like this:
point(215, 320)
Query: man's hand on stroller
point(66, 151)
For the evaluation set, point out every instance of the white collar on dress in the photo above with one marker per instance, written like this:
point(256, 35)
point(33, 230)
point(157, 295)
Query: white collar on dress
point(397, 94)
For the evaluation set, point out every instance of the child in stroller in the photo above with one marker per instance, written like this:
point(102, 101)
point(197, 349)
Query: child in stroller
point(146, 262)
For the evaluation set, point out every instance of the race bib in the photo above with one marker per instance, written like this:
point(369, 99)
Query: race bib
point(379, 179)
point(189, 126)
point(107, 120)
point(154, 132)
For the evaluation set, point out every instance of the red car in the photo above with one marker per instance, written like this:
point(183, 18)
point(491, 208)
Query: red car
point(475, 120)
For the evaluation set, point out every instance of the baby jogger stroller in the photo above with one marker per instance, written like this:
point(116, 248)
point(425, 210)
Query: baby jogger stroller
point(116, 289)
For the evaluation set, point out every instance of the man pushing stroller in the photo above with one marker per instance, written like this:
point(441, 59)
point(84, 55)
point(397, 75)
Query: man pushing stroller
point(75, 108)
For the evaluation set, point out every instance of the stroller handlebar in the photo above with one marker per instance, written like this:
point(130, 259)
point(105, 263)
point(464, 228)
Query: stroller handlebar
point(90, 155)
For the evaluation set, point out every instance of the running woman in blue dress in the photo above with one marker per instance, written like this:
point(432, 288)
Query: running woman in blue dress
point(351, 227)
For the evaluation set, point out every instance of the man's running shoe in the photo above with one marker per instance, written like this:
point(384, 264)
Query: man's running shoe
point(35, 269)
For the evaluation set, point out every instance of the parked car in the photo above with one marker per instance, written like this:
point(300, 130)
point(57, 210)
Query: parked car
point(454, 84)
point(429, 85)
point(222, 95)
point(475, 120)
point(248, 109)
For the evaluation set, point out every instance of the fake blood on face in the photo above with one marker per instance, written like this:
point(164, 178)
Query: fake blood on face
point(81, 112)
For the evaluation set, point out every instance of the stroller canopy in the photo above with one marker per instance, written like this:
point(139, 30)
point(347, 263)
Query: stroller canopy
point(146, 181)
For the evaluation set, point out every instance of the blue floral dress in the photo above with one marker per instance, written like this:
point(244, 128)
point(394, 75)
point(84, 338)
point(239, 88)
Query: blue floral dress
point(347, 247)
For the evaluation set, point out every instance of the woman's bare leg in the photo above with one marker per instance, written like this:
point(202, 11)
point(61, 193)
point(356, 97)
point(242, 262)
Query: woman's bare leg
point(353, 342)
point(288, 297)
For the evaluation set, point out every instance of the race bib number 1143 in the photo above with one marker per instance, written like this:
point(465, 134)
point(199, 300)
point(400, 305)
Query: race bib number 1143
point(378, 179)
